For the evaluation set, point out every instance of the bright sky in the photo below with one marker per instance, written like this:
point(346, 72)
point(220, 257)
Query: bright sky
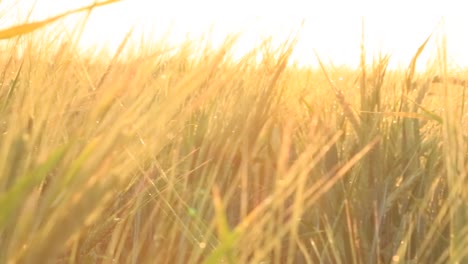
point(331, 27)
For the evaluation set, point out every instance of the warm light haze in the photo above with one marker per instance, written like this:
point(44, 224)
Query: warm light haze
point(332, 28)
point(247, 131)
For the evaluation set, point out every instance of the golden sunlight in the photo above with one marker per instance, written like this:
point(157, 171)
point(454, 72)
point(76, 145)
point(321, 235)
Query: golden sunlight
point(149, 131)
point(332, 28)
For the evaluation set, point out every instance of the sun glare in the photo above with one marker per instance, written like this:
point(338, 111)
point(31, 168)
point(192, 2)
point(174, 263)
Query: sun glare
point(331, 28)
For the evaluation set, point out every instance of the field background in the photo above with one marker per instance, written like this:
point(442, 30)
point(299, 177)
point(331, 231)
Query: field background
point(162, 154)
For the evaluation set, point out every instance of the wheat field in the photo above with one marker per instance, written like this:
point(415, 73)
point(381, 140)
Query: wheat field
point(158, 156)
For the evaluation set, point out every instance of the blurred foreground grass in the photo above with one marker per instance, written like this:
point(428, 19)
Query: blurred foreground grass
point(165, 158)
